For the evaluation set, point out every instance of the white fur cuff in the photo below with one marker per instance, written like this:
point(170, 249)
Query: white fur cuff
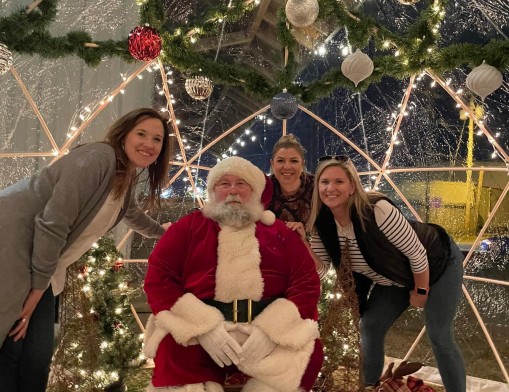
point(281, 370)
point(189, 317)
point(282, 322)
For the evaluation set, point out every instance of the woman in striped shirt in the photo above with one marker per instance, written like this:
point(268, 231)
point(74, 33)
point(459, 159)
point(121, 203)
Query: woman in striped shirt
point(395, 263)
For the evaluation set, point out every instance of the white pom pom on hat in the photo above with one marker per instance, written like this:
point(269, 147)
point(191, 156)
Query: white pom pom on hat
point(240, 167)
point(267, 218)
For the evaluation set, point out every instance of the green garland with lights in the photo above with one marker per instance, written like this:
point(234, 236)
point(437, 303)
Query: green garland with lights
point(418, 47)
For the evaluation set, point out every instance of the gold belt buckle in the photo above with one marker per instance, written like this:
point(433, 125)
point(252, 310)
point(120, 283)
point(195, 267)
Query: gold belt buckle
point(249, 311)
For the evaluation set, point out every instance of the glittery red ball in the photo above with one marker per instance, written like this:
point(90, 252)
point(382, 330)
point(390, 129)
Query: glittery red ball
point(144, 43)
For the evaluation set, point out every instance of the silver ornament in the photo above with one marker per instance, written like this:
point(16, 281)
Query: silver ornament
point(357, 66)
point(199, 87)
point(484, 79)
point(5, 59)
point(284, 106)
point(302, 13)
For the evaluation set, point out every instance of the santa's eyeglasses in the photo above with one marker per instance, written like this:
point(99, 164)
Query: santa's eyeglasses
point(339, 158)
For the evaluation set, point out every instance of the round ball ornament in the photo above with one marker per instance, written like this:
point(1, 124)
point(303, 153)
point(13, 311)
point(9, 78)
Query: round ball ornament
point(284, 106)
point(5, 59)
point(302, 13)
point(144, 43)
point(484, 79)
point(357, 67)
point(199, 87)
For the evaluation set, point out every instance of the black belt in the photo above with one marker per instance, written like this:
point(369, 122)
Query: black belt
point(240, 310)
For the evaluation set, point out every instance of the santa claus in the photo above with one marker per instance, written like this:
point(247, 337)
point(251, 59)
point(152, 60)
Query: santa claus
point(231, 288)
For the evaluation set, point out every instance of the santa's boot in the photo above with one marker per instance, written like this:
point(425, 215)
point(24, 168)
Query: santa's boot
point(209, 386)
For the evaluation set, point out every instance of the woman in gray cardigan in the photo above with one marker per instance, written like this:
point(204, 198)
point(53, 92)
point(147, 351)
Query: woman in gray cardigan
point(49, 220)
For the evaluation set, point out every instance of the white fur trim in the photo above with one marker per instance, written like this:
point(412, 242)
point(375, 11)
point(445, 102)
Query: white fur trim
point(254, 385)
point(240, 167)
point(267, 218)
point(238, 274)
point(282, 322)
point(295, 337)
point(189, 317)
point(281, 370)
point(208, 387)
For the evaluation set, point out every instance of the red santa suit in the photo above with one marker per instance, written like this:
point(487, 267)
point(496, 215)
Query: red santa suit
point(197, 259)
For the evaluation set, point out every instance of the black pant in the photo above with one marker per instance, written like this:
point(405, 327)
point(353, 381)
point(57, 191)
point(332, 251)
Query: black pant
point(25, 364)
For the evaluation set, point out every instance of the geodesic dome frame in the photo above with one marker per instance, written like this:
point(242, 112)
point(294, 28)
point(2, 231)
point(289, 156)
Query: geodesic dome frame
point(381, 169)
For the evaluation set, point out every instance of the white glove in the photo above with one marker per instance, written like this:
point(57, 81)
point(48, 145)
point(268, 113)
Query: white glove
point(257, 346)
point(222, 348)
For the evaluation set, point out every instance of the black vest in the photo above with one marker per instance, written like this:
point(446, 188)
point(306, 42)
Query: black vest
point(380, 254)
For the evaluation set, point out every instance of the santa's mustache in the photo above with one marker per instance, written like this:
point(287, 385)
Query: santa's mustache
point(231, 198)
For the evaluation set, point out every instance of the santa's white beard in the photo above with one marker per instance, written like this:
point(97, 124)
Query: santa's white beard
point(233, 214)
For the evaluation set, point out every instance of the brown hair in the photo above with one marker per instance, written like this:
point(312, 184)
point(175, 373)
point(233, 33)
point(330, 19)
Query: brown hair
point(359, 199)
point(289, 141)
point(157, 171)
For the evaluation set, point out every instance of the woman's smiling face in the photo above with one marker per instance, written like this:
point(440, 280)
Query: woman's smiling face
point(287, 166)
point(144, 142)
point(335, 187)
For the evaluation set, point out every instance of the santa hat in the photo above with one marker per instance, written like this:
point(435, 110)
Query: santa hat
point(240, 167)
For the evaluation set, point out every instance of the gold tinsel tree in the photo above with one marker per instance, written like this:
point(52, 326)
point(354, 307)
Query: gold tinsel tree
point(339, 330)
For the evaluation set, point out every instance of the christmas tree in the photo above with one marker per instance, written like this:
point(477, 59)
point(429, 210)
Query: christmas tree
point(98, 347)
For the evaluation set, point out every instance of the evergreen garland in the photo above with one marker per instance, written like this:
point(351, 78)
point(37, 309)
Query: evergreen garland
point(418, 47)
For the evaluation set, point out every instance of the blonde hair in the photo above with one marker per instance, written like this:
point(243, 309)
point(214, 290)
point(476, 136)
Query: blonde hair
point(359, 199)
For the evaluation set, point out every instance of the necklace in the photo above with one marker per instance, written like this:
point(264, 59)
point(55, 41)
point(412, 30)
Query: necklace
point(345, 231)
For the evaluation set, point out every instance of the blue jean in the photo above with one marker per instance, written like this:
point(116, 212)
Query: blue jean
point(387, 303)
point(25, 364)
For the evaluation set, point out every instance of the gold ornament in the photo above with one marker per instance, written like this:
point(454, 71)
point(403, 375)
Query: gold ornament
point(484, 79)
point(199, 87)
point(302, 13)
point(5, 59)
point(357, 67)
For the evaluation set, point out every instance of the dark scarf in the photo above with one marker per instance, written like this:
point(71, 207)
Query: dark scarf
point(294, 208)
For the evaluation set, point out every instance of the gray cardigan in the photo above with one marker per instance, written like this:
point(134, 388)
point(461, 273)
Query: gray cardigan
point(41, 216)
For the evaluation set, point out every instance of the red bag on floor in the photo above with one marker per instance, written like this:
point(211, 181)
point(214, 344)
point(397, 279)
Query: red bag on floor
point(393, 381)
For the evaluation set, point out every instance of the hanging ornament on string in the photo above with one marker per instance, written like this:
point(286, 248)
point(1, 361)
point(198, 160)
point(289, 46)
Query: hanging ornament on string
point(484, 79)
point(302, 13)
point(357, 66)
point(284, 105)
point(199, 87)
point(5, 59)
point(408, 2)
point(144, 43)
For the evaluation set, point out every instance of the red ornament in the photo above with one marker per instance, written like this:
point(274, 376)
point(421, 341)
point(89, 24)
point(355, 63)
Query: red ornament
point(144, 43)
point(118, 265)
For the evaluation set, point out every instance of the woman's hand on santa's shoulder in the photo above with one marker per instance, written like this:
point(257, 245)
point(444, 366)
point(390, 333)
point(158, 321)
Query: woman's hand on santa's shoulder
point(299, 228)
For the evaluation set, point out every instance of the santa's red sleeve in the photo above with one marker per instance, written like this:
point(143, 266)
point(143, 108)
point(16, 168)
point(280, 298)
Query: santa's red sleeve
point(175, 312)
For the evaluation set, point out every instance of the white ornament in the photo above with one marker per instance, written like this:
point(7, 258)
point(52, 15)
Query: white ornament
point(199, 87)
point(357, 67)
point(484, 79)
point(408, 2)
point(302, 13)
point(5, 59)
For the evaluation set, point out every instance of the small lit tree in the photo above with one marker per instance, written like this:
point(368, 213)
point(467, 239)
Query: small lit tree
point(97, 346)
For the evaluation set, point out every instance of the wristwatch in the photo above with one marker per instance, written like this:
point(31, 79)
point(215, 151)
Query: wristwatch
point(422, 290)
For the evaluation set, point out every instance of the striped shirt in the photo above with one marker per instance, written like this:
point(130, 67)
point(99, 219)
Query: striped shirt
point(397, 230)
